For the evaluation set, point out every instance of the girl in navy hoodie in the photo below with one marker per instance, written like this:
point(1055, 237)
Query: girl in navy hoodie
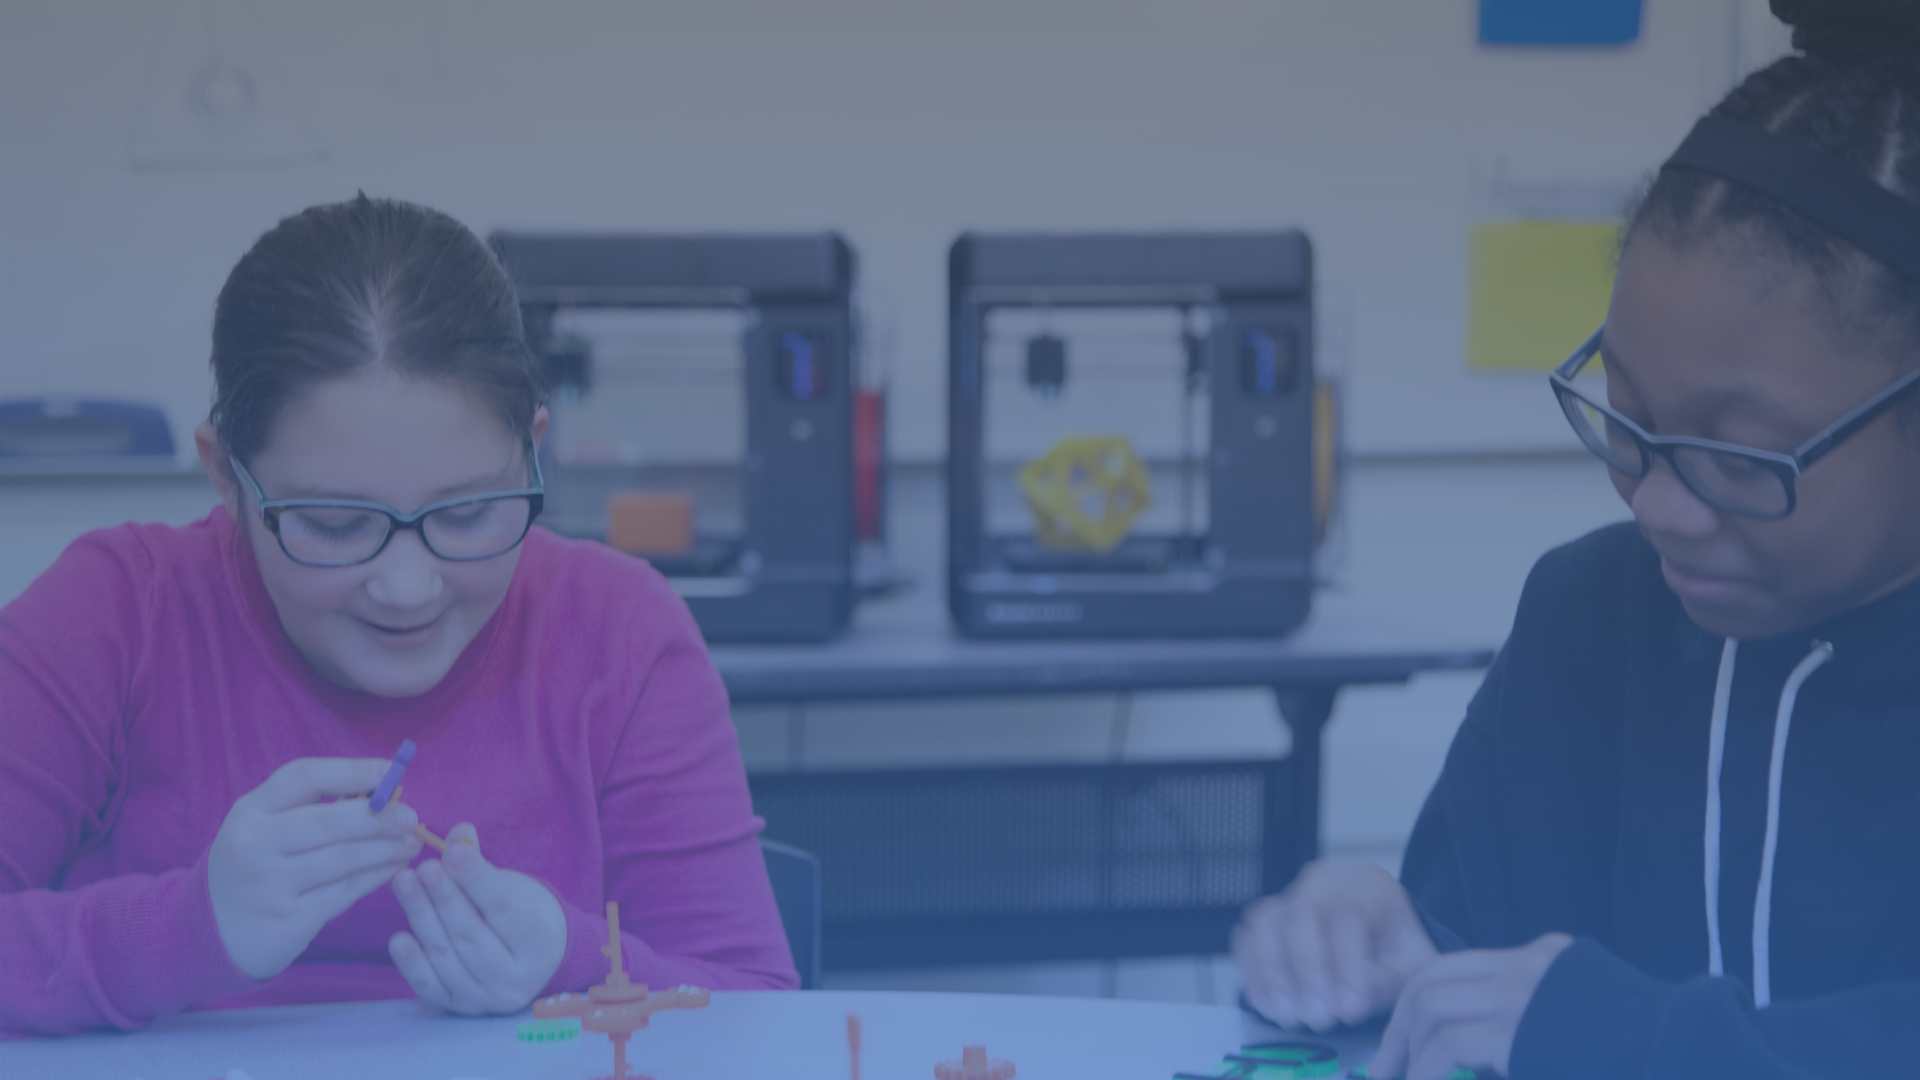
point(1675, 835)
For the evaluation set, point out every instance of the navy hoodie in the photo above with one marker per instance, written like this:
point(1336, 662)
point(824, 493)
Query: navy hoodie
point(1617, 778)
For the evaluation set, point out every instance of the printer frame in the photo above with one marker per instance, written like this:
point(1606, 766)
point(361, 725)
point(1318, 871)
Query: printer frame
point(1253, 574)
point(792, 579)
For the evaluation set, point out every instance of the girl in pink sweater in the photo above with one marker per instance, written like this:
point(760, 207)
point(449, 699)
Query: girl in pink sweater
point(193, 718)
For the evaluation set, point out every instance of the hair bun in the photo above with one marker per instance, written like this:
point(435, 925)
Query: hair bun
point(1853, 30)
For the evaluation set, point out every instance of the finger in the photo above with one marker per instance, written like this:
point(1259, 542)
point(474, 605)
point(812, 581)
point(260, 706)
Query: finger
point(1273, 948)
point(1430, 1060)
point(411, 960)
point(463, 990)
point(492, 890)
point(325, 866)
point(1390, 1061)
point(1454, 1017)
point(486, 887)
point(1355, 975)
point(478, 944)
point(1263, 964)
point(310, 780)
point(1458, 968)
point(1460, 975)
point(1456, 1047)
point(1254, 978)
point(1305, 947)
point(1443, 1008)
point(1405, 946)
point(305, 828)
point(1404, 952)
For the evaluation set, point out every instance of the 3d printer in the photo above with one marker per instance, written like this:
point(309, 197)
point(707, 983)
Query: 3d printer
point(1138, 444)
point(701, 389)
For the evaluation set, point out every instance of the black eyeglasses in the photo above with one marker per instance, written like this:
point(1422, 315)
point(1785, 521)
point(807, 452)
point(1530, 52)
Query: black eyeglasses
point(332, 533)
point(1732, 479)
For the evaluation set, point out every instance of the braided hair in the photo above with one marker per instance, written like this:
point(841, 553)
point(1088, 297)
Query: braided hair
point(1850, 89)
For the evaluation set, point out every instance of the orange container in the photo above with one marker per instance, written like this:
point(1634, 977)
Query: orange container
point(651, 522)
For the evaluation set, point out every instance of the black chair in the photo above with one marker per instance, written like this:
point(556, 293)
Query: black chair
point(796, 890)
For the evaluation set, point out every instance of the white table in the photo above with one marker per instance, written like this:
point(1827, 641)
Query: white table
point(740, 1036)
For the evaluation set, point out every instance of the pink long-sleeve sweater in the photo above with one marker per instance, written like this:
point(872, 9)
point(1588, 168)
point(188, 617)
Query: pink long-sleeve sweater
point(146, 684)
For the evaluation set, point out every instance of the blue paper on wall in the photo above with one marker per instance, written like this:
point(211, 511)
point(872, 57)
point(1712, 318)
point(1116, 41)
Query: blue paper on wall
point(1559, 22)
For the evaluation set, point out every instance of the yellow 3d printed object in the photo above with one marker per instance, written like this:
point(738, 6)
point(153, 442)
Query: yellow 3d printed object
point(1086, 493)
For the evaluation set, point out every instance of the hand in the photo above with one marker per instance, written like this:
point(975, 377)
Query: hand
point(484, 941)
point(1337, 946)
point(298, 851)
point(1464, 1010)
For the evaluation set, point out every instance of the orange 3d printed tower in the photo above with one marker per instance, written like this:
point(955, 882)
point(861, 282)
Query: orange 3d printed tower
point(619, 1006)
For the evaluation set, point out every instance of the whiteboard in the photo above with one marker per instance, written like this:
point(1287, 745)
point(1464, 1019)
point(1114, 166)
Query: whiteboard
point(1370, 123)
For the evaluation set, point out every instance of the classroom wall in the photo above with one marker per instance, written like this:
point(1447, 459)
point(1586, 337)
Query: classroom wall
point(1373, 123)
point(149, 143)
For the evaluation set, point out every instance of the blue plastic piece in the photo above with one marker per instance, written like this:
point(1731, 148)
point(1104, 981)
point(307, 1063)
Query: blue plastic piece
point(1560, 22)
point(401, 760)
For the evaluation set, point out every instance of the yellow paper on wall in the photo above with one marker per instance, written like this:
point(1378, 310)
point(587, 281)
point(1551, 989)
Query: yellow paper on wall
point(1538, 288)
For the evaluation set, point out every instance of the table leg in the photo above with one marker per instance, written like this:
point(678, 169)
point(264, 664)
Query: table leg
point(1293, 798)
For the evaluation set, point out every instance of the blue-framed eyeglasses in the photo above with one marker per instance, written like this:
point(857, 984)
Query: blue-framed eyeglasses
point(1733, 479)
point(347, 532)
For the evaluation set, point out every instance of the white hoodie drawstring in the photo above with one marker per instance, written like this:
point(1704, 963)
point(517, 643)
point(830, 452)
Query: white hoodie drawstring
point(1716, 757)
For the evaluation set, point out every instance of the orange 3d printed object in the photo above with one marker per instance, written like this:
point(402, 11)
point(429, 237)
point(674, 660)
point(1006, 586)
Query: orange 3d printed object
point(973, 1065)
point(619, 1006)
